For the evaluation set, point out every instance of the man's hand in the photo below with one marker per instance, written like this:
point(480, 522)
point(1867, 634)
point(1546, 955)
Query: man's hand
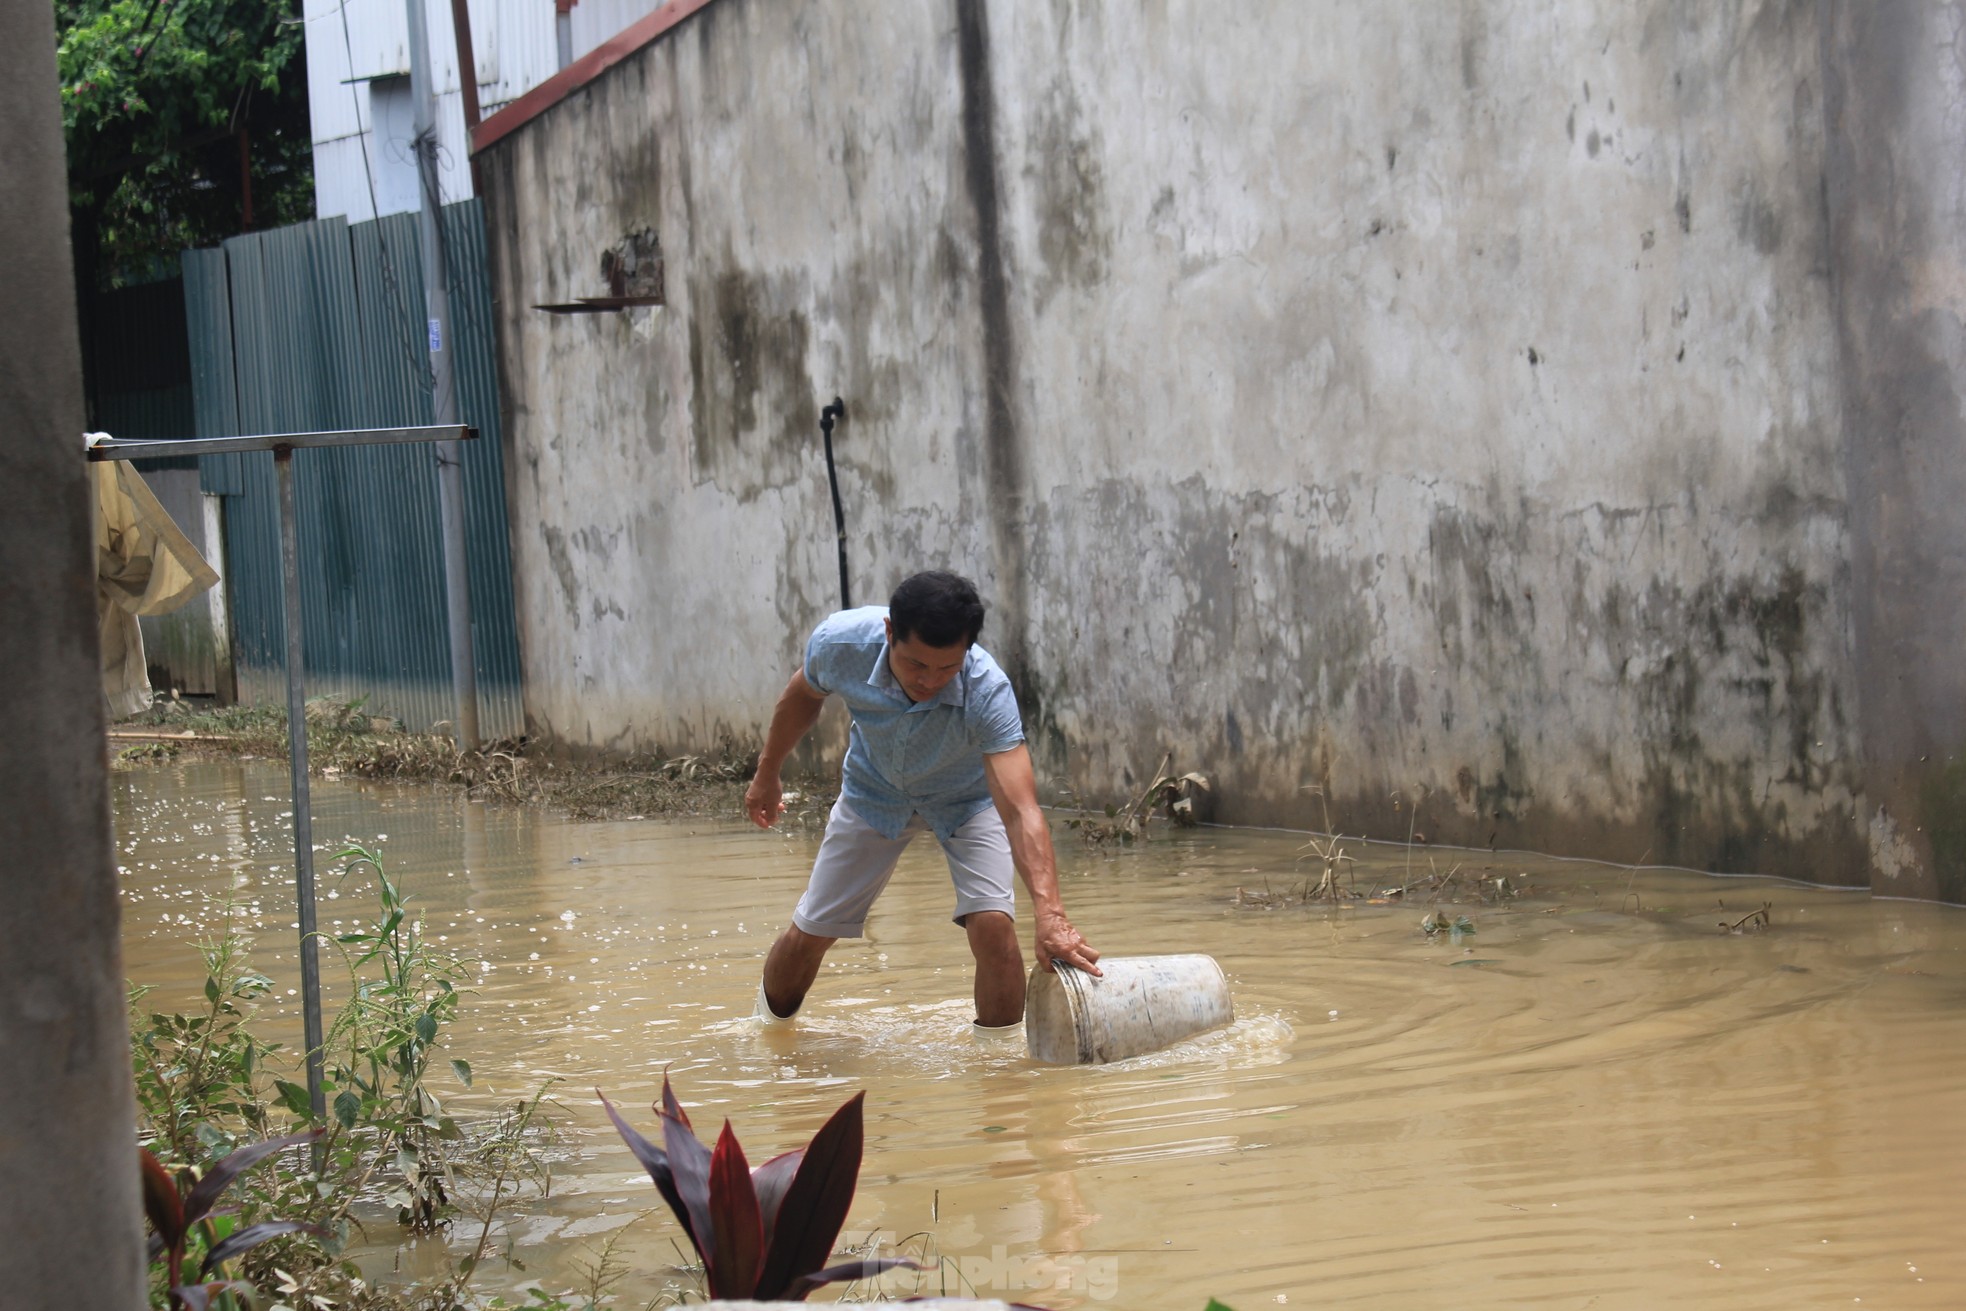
point(1059, 941)
point(797, 710)
point(1013, 786)
point(764, 800)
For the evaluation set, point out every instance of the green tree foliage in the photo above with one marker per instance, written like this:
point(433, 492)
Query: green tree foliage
point(160, 99)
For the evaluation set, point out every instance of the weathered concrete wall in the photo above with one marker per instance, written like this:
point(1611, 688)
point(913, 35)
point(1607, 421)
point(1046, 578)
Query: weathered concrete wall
point(71, 1231)
point(1397, 398)
point(1897, 204)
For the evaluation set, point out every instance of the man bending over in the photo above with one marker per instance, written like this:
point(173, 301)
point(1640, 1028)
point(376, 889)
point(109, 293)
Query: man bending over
point(937, 745)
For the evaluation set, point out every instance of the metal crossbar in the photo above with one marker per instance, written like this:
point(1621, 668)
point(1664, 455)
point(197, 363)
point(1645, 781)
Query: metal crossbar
point(112, 449)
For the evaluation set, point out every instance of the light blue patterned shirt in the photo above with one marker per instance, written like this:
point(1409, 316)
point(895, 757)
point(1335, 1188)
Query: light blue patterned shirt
point(906, 758)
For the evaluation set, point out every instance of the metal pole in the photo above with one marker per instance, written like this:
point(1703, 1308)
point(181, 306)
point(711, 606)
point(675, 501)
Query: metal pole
point(467, 64)
point(443, 389)
point(837, 410)
point(310, 961)
point(467, 82)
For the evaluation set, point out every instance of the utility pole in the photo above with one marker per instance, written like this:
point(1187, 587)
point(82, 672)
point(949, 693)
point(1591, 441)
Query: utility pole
point(443, 387)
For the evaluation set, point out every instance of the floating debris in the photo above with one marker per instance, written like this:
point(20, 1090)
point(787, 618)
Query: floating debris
point(1172, 796)
point(1436, 923)
point(1753, 922)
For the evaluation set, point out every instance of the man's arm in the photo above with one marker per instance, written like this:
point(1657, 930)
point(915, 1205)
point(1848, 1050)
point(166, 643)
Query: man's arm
point(797, 711)
point(1013, 786)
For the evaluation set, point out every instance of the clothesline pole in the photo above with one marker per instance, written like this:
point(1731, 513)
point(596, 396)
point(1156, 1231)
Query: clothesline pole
point(310, 955)
point(283, 446)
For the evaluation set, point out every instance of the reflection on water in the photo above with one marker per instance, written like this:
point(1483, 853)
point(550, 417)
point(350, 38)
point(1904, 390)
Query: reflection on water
point(1597, 1100)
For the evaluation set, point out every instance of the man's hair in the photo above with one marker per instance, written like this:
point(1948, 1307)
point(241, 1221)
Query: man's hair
point(940, 609)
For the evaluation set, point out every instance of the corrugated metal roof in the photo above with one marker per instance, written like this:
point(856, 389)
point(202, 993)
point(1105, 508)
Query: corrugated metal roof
point(325, 322)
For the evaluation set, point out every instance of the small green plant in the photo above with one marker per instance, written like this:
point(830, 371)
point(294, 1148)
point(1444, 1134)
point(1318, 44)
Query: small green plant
point(198, 1075)
point(385, 1040)
point(762, 1234)
point(182, 1215)
point(146, 753)
point(206, 1085)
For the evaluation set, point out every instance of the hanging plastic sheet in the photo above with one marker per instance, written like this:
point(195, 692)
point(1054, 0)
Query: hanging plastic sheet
point(145, 565)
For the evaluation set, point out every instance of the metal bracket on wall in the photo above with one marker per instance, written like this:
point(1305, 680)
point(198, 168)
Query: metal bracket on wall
point(600, 304)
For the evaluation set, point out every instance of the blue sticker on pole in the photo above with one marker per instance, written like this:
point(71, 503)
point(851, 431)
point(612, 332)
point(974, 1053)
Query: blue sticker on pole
point(436, 335)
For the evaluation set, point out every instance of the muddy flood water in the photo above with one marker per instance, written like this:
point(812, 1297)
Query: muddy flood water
point(1599, 1099)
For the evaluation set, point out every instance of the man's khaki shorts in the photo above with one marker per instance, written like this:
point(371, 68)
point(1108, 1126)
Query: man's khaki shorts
point(855, 863)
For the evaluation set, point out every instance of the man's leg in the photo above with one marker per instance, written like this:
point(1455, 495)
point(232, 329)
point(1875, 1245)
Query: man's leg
point(853, 866)
point(999, 968)
point(790, 968)
point(983, 872)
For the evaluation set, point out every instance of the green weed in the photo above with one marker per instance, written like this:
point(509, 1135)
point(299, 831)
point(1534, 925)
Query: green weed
point(207, 1087)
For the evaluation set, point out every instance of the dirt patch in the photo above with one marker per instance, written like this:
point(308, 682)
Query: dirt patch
point(345, 741)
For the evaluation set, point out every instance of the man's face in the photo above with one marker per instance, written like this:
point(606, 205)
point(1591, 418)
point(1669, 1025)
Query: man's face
point(922, 670)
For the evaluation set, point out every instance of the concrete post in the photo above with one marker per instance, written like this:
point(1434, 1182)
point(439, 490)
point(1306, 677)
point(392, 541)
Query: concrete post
point(1895, 189)
point(71, 1230)
point(443, 385)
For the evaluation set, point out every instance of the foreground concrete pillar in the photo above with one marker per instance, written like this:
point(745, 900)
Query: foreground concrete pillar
point(1895, 189)
point(70, 1222)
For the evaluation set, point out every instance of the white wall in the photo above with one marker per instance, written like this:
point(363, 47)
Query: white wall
point(359, 172)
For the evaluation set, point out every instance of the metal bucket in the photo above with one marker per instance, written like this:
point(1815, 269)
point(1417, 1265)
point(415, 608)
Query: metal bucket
point(1139, 1005)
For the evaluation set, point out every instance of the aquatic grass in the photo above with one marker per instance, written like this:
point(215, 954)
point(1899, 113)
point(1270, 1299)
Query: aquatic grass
point(510, 1161)
point(601, 1271)
point(1328, 848)
point(1413, 833)
point(1331, 864)
point(924, 1257)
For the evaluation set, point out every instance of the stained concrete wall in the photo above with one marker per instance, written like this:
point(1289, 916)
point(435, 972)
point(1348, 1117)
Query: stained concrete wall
point(1453, 403)
point(71, 1232)
point(1896, 196)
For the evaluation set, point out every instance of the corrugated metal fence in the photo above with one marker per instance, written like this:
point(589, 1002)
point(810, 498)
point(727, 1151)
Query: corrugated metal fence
point(320, 326)
point(139, 378)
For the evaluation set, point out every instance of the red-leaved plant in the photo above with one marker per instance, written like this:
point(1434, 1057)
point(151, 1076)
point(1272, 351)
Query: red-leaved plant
point(175, 1212)
point(763, 1234)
